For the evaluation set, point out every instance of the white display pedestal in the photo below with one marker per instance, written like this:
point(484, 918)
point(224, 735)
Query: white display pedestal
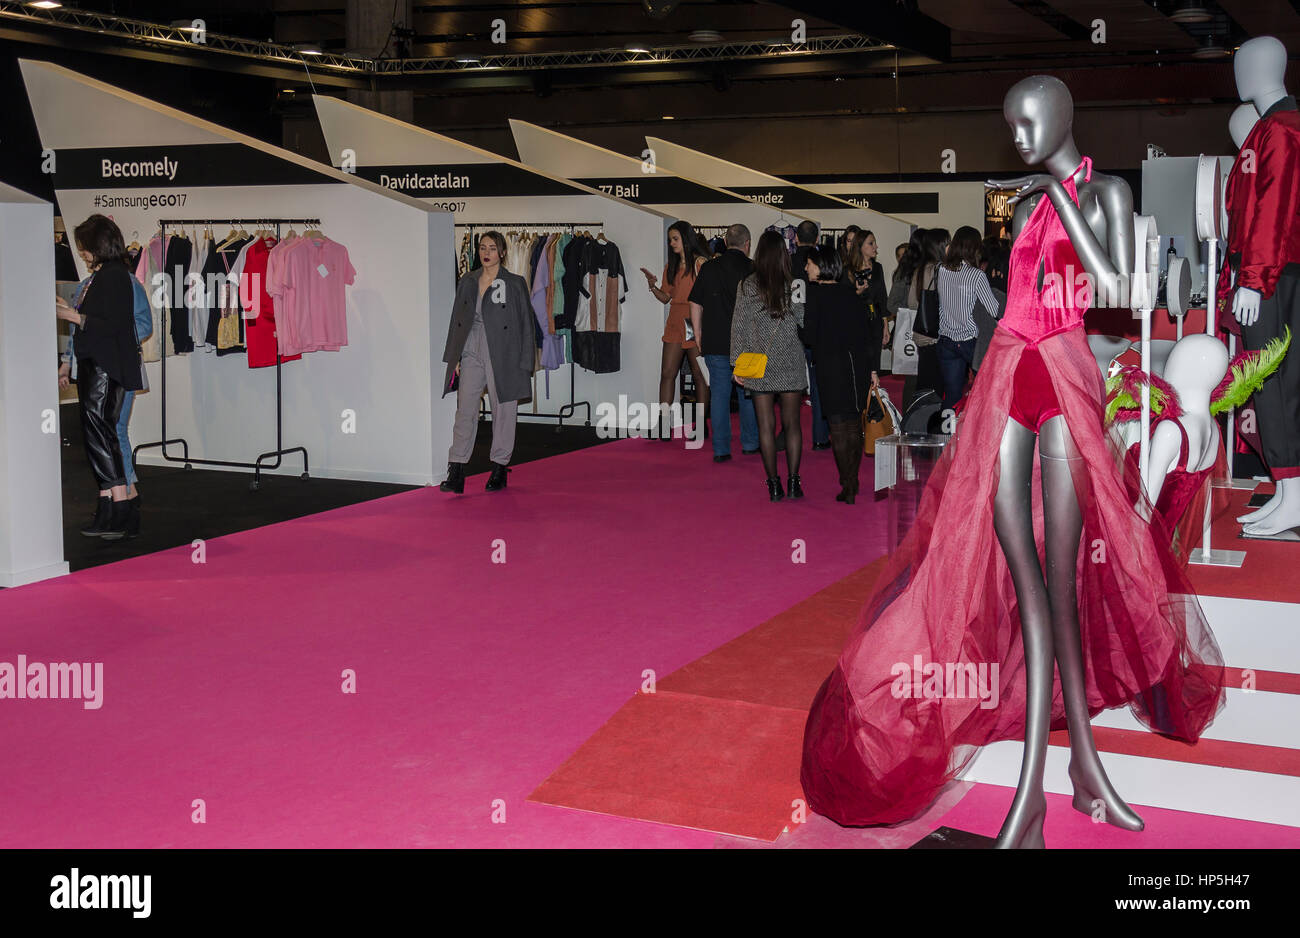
point(31, 488)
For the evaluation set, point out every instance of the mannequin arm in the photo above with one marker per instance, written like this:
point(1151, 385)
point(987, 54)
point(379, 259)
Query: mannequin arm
point(1165, 445)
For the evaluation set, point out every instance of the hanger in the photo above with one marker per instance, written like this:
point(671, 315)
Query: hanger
point(135, 241)
point(313, 233)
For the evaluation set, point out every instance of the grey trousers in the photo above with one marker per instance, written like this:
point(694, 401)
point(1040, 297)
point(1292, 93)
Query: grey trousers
point(475, 375)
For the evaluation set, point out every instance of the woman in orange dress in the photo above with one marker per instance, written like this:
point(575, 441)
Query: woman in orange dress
point(686, 255)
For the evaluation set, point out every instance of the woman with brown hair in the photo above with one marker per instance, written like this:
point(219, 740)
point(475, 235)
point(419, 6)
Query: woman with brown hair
point(686, 255)
point(490, 345)
point(108, 365)
point(767, 322)
point(961, 283)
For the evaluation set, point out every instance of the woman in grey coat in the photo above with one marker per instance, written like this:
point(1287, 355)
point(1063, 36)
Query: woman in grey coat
point(767, 320)
point(490, 345)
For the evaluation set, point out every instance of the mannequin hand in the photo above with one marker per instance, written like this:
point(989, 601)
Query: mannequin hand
point(1245, 306)
point(1025, 186)
point(65, 375)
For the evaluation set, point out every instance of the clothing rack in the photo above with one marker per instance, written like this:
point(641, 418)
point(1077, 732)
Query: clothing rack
point(566, 411)
point(279, 452)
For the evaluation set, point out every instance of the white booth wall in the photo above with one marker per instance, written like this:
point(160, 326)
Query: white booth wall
point(388, 376)
point(31, 492)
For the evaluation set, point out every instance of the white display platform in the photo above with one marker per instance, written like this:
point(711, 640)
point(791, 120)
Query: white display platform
point(1250, 633)
point(31, 489)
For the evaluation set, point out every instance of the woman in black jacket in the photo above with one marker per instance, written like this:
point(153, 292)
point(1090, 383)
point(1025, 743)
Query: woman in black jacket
point(490, 346)
point(108, 365)
point(839, 333)
point(870, 283)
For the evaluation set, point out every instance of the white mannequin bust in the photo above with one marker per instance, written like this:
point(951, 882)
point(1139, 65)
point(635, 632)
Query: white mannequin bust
point(1241, 123)
point(1195, 367)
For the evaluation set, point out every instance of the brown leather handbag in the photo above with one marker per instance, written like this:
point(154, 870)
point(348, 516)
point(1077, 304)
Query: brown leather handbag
point(873, 426)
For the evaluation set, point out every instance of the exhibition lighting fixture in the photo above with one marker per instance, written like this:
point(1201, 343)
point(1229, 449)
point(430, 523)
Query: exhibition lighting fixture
point(45, 4)
point(1191, 11)
point(180, 34)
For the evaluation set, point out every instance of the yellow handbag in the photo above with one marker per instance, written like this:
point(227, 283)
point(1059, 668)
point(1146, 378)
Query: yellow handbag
point(754, 364)
point(750, 365)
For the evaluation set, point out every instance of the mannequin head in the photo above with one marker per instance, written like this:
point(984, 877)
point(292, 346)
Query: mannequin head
point(1040, 112)
point(1195, 367)
point(1243, 119)
point(1260, 69)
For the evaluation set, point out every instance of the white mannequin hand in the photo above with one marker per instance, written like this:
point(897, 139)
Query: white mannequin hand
point(1245, 306)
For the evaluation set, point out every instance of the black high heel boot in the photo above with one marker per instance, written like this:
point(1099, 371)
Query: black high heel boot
point(116, 529)
point(455, 481)
point(99, 523)
point(795, 489)
point(774, 491)
point(133, 518)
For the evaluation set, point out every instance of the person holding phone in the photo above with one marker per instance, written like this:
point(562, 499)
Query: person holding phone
point(686, 255)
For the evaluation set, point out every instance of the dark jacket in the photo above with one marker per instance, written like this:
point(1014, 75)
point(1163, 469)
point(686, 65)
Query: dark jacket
point(108, 337)
point(715, 290)
point(838, 332)
point(509, 327)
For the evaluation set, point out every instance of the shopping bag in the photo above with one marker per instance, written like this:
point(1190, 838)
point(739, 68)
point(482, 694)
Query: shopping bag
point(904, 347)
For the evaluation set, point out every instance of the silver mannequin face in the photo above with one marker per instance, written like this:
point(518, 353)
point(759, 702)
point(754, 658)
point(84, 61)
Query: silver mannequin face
point(1040, 112)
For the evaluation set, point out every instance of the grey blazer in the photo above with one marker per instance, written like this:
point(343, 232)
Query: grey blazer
point(512, 347)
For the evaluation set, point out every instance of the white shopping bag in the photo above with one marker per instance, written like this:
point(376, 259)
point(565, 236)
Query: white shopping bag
point(904, 348)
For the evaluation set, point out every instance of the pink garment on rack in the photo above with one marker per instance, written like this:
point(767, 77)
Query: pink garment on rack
point(310, 288)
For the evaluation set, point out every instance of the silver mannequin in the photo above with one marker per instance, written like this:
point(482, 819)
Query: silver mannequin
point(1040, 112)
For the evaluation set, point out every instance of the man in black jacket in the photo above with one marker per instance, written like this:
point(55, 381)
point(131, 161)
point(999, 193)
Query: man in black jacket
point(713, 299)
point(805, 237)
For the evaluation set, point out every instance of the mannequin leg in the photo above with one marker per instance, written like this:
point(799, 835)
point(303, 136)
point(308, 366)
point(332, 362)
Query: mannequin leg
point(1013, 523)
point(1063, 524)
point(1283, 510)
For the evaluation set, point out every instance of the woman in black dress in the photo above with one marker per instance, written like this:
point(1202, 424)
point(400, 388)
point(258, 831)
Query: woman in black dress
point(871, 285)
point(108, 365)
point(838, 331)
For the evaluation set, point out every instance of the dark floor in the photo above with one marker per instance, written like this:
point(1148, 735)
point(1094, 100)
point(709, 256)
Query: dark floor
point(179, 505)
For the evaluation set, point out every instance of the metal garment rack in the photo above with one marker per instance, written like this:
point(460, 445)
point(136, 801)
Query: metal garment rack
point(566, 411)
point(279, 452)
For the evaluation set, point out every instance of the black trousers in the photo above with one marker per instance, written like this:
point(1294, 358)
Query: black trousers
point(1277, 403)
point(100, 401)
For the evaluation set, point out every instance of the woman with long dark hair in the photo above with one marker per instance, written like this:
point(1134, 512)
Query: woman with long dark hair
point(961, 284)
point(108, 365)
point(686, 255)
point(767, 322)
point(840, 336)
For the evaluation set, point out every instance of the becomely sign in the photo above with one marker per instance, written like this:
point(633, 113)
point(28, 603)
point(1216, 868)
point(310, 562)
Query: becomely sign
point(164, 168)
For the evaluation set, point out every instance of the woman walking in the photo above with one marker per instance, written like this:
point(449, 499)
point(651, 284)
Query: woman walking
point(490, 345)
point(766, 322)
point(840, 335)
point(961, 284)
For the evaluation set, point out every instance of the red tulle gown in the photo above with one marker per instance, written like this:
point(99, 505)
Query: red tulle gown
point(880, 742)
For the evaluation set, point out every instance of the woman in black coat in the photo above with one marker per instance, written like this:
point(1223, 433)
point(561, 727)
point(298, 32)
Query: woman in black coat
point(871, 285)
point(839, 333)
point(490, 346)
point(108, 365)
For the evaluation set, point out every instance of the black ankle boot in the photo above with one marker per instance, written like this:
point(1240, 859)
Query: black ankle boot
point(795, 489)
point(774, 491)
point(117, 522)
point(497, 480)
point(133, 519)
point(455, 481)
point(99, 524)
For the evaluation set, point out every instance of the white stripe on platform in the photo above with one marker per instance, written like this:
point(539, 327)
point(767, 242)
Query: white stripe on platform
point(1261, 719)
point(1179, 786)
point(1253, 633)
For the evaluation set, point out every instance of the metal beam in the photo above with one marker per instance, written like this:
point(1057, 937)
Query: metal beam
point(897, 22)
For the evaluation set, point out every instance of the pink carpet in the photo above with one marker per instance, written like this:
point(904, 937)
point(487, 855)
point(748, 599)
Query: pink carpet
point(474, 679)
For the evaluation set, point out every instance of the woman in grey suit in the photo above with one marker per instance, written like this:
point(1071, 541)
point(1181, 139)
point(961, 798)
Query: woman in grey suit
point(490, 345)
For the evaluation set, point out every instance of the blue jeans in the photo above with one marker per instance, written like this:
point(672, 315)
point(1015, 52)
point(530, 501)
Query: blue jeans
point(123, 439)
point(720, 387)
point(820, 427)
point(954, 360)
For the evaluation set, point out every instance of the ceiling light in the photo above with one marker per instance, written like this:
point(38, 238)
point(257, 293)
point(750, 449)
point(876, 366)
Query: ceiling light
point(641, 49)
point(1191, 11)
point(46, 4)
point(307, 48)
point(467, 60)
point(667, 117)
point(705, 35)
point(1209, 48)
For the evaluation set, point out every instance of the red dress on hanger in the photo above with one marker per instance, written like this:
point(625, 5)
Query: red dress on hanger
point(880, 743)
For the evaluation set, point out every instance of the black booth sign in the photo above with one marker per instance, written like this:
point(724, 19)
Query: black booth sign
point(174, 167)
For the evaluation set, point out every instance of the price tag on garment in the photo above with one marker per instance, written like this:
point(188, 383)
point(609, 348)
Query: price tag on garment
point(322, 270)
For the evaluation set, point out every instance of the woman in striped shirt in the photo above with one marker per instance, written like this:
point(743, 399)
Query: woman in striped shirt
point(961, 283)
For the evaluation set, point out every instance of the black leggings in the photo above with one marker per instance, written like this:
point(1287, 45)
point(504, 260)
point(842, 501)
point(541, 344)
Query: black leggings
point(100, 400)
point(790, 401)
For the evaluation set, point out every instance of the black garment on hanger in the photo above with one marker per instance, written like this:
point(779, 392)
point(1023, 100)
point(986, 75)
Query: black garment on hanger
point(177, 267)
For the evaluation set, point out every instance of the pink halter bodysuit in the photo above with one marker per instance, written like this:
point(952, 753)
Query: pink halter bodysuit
point(1033, 314)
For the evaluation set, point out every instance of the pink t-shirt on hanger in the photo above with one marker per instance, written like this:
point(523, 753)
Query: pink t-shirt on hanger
point(310, 281)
